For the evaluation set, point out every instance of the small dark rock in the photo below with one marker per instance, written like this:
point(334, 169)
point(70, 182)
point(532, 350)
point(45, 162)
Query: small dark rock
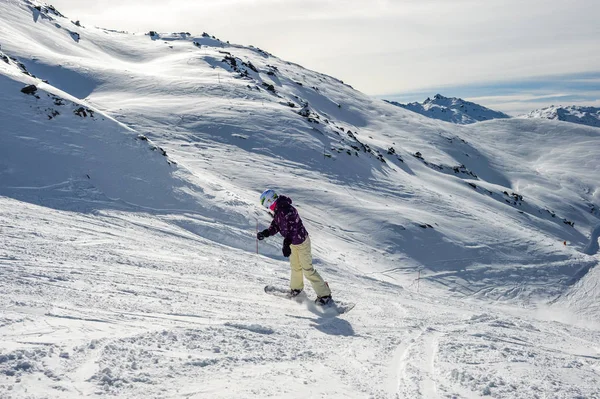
point(269, 87)
point(305, 112)
point(251, 66)
point(31, 89)
point(517, 197)
point(231, 61)
point(160, 150)
point(55, 11)
point(83, 112)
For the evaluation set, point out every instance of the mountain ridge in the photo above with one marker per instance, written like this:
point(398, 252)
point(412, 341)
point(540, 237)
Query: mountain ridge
point(583, 115)
point(454, 110)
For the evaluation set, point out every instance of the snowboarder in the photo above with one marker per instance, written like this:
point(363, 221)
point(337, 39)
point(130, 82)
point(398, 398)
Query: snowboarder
point(296, 245)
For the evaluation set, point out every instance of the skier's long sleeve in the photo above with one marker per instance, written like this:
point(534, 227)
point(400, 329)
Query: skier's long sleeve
point(273, 228)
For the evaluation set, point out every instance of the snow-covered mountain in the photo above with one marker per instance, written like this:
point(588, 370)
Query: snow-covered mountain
point(589, 116)
point(454, 110)
point(130, 170)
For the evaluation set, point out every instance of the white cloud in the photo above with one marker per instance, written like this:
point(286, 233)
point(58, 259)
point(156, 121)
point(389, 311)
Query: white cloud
point(528, 96)
point(521, 108)
point(524, 102)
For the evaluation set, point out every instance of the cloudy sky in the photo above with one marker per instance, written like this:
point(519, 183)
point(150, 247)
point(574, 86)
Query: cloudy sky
point(511, 55)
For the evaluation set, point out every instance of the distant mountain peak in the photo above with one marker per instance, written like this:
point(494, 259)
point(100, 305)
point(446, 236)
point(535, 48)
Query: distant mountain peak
point(452, 109)
point(582, 115)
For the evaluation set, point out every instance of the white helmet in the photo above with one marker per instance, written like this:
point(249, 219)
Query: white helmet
point(268, 198)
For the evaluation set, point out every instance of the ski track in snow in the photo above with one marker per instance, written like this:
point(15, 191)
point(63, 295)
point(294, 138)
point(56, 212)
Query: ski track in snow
point(99, 315)
point(416, 365)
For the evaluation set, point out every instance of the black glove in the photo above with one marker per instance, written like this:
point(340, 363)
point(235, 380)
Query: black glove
point(261, 235)
point(287, 251)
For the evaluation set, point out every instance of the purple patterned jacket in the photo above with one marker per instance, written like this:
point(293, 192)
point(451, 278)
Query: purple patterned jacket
point(287, 221)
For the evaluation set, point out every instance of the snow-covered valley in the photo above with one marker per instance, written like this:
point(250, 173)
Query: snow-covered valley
point(129, 264)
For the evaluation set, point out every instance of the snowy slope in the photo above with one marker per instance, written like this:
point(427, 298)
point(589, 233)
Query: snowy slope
point(133, 274)
point(454, 110)
point(589, 116)
point(52, 142)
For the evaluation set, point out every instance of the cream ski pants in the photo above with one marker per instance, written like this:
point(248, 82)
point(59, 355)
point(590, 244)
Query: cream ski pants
point(301, 263)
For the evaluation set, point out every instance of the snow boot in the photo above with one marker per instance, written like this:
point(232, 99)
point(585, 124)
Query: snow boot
point(294, 293)
point(324, 300)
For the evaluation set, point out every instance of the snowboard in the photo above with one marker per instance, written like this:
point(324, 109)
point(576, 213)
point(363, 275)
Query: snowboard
point(334, 306)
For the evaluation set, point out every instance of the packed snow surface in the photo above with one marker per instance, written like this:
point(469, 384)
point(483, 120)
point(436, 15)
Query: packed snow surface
point(130, 171)
point(454, 110)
